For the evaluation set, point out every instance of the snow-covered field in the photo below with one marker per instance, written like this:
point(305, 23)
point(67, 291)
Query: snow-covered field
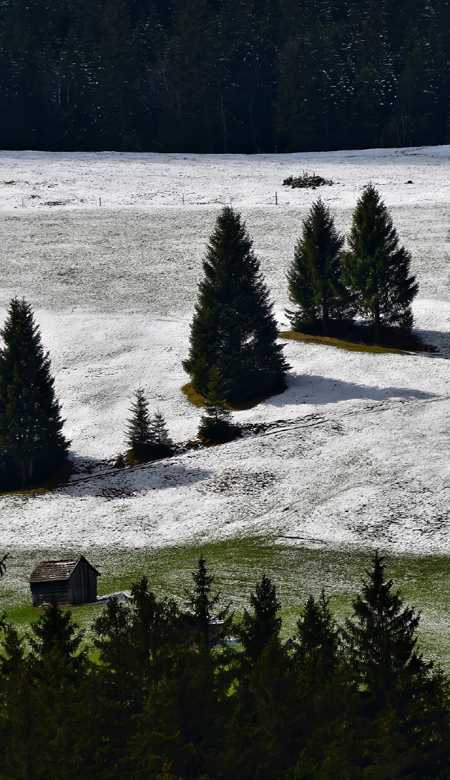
point(355, 452)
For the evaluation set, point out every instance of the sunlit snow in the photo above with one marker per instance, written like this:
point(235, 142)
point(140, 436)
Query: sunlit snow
point(356, 451)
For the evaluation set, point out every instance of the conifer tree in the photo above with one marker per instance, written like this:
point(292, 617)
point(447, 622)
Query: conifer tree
point(317, 633)
point(216, 426)
point(203, 606)
point(148, 438)
point(315, 277)
point(405, 705)
point(377, 268)
point(263, 622)
point(32, 444)
point(3, 565)
point(233, 328)
point(159, 434)
point(139, 428)
point(382, 634)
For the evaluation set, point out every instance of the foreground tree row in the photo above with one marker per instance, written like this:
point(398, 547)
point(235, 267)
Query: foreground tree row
point(160, 692)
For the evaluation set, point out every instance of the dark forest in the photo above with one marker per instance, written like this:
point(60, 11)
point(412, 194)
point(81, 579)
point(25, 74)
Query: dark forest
point(223, 76)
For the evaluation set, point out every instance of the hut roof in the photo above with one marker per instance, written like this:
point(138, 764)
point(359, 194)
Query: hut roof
point(57, 570)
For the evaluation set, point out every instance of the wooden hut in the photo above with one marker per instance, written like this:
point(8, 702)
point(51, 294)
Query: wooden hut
point(68, 582)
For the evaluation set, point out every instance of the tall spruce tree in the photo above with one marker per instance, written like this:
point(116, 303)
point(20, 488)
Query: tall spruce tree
point(32, 445)
point(209, 621)
point(318, 633)
point(315, 277)
point(407, 731)
point(260, 625)
point(377, 268)
point(234, 329)
point(382, 634)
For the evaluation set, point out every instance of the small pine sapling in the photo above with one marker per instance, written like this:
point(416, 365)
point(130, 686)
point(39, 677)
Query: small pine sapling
point(139, 430)
point(216, 426)
point(148, 438)
point(161, 443)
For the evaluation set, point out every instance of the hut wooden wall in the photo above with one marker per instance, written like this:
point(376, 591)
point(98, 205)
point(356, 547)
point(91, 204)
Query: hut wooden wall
point(83, 584)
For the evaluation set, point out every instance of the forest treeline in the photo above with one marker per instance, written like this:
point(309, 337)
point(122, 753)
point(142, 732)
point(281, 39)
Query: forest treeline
point(167, 691)
point(223, 76)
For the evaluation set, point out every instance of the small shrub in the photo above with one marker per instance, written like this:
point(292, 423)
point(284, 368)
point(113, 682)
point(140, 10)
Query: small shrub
point(120, 462)
point(307, 180)
point(216, 427)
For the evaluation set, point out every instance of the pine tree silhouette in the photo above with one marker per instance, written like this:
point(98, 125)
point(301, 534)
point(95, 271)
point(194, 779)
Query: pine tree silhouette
point(315, 277)
point(234, 329)
point(139, 428)
point(31, 439)
point(377, 268)
point(216, 426)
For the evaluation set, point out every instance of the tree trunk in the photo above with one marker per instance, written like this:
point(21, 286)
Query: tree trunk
point(376, 322)
point(324, 318)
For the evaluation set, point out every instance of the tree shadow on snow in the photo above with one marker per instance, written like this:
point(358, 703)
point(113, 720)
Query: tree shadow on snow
point(438, 339)
point(124, 483)
point(316, 389)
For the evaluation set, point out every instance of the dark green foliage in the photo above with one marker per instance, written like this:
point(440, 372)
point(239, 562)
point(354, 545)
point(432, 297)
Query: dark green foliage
point(409, 732)
point(216, 426)
point(210, 624)
point(165, 698)
point(234, 331)
point(318, 633)
point(32, 445)
point(159, 434)
point(260, 625)
point(315, 277)
point(138, 431)
point(54, 634)
point(147, 437)
point(382, 634)
point(228, 76)
point(377, 268)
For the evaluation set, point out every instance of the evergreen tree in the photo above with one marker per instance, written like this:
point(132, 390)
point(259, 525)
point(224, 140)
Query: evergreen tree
point(32, 444)
point(58, 670)
point(159, 434)
point(404, 701)
point(234, 329)
point(115, 682)
point(18, 721)
point(377, 268)
point(148, 438)
point(314, 279)
point(216, 426)
point(382, 634)
point(3, 565)
point(210, 624)
point(154, 625)
point(139, 438)
point(317, 633)
point(263, 622)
